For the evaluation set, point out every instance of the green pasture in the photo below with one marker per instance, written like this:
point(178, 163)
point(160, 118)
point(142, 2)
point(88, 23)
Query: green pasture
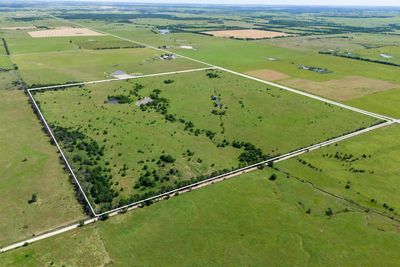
point(363, 169)
point(30, 165)
point(385, 53)
point(386, 103)
point(271, 119)
point(86, 65)
point(249, 220)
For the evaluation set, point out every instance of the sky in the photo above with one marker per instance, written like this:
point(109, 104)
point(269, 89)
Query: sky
point(272, 2)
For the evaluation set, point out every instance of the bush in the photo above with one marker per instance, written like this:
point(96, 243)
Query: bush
point(329, 212)
point(167, 158)
point(33, 199)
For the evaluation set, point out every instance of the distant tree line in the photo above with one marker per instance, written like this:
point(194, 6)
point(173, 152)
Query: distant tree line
point(356, 57)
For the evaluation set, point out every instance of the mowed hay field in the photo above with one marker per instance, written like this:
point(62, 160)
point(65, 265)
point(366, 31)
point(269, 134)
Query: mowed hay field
point(229, 223)
point(195, 120)
point(30, 165)
point(364, 169)
point(86, 65)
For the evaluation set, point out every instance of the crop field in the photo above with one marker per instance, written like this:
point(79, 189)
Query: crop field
point(229, 223)
point(63, 32)
point(30, 166)
point(214, 121)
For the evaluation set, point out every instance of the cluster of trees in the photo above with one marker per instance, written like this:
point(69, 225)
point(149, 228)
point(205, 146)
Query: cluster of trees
point(72, 83)
point(126, 17)
point(5, 46)
point(149, 178)
point(117, 47)
point(27, 18)
point(357, 57)
point(355, 170)
point(136, 89)
point(309, 164)
point(158, 103)
point(213, 75)
point(386, 206)
point(325, 27)
point(251, 153)
point(167, 158)
point(87, 159)
point(218, 112)
point(121, 99)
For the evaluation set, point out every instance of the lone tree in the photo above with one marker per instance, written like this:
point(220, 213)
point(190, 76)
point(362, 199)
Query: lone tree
point(33, 199)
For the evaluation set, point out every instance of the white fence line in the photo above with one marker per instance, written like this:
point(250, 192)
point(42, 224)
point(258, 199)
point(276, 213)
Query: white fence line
point(117, 79)
point(61, 152)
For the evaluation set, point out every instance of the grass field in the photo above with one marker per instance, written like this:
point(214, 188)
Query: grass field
point(30, 165)
point(26, 45)
point(386, 53)
point(249, 220)
point(383, 102)
point(86, 65)
point(343, 89)
point(195, 119)
point(362, 169)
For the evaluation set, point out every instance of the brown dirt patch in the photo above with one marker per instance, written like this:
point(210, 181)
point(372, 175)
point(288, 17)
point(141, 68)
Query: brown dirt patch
point(63, 32)
point(341, 89)
point(243, 34)
point(268, 75)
